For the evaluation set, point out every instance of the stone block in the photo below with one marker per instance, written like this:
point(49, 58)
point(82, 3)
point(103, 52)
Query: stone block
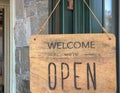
point(28, 2)
point(31, 10)
point(22, 33)
point(20, 9)
point(27, 26)
point(23, 86)
point(25, 65)
point(42, 8)
point(39, 0)
point(19, 34)
point(35, 24)
point(22, 62)
point(18, 60)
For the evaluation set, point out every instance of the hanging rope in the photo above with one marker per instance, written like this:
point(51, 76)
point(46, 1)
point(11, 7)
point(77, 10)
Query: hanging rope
point(43, 27)
point(103, 28)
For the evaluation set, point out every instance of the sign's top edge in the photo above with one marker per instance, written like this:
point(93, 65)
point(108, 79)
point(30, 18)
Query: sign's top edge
point(109, 35)
point(76, 34)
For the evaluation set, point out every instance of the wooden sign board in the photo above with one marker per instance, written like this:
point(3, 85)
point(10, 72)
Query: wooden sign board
point(79, 63)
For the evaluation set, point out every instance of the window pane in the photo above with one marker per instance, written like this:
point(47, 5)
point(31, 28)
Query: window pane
point(108, 16)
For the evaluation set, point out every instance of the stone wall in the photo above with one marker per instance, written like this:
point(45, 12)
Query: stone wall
point(30, 14)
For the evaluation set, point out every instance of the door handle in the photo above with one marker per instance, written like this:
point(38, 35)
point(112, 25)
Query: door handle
point(70, 5)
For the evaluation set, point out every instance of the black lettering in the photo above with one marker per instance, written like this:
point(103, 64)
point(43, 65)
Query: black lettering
point(59, 45)
point(89, 74)
point(77, 45)
point(85, 45)
point(49, 76)
point(70, 45)
point(62, 73)
point(75, 76)
point(64, 45)
point(92, 44)
point(52, 45)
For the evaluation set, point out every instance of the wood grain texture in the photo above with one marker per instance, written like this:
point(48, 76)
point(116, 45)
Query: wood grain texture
point(79, 52)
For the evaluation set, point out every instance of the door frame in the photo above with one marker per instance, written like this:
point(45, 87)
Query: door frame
point(9, 47)
point(12, 75)
point(6, 8)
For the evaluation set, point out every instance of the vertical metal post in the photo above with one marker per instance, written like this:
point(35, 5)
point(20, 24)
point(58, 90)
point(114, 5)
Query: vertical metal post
point(66, 18)
point(116, 29)
point(78, 17)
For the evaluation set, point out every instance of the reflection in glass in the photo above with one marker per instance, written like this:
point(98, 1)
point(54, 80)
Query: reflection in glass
point(108, 16)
